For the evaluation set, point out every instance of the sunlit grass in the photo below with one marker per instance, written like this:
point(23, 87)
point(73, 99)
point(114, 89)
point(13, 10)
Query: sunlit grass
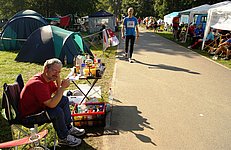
point(10, 69)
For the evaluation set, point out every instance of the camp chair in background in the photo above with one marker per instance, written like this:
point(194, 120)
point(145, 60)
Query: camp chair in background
point(10, 99)
point(212, 45)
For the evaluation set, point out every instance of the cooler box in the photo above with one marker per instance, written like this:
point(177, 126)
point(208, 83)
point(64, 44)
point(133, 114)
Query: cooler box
point(92, 115)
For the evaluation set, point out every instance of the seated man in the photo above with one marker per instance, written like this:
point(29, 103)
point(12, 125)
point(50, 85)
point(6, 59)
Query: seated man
point(43, 95)
point(198, 33)
point(191, 30)
point(198, 43)
point(226, 47)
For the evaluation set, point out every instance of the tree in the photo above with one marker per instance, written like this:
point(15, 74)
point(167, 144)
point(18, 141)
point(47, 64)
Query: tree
point(142, 8)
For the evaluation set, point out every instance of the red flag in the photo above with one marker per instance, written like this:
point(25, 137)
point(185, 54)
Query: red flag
point(105, 40)
point(112, 38)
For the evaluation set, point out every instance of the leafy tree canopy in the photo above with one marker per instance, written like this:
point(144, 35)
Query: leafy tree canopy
point(143, 8)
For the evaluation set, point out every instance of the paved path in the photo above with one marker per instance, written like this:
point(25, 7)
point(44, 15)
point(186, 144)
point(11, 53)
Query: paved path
point(170, 98)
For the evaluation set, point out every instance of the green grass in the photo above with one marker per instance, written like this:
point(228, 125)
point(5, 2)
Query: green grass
point(169, 36)
point(10, 69)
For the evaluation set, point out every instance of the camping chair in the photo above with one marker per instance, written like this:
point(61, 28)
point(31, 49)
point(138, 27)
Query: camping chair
point(10, 99)
point(212, 45)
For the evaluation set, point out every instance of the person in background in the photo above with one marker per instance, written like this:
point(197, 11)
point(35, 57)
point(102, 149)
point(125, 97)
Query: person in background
point(175, 25)
point(225, 47)
point(42, 100)
point(191, 29)
point(139, 21)
point(198, 43)
point(155, 25)
point(130, 32)
point(222, 38)
point(101, 31)
point(198, 33)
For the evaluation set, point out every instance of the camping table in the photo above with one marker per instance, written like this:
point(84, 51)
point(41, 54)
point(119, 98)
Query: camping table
point(88, 79)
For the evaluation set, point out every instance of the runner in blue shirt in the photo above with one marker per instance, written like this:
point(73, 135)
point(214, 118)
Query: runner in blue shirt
point(130, 32)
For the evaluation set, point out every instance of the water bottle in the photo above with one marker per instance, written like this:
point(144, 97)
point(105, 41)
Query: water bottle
point(110, 94)
point(81, 69)
point(79, 109)
point(108, 107)
point(33, 136)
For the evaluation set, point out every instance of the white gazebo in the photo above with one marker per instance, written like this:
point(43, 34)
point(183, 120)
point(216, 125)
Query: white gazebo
point(218, 18)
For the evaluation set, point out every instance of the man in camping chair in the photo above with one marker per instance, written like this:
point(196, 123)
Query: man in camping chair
point(43, 95)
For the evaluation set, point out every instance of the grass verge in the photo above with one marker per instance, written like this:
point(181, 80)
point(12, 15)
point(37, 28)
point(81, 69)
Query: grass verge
point(10, 69)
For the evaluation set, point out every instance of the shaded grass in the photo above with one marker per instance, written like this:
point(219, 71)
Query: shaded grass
point(169, 35)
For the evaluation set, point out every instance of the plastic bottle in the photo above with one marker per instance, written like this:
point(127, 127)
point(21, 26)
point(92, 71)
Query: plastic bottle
point(79, 109)
point(108, 107)
point(81, 69)
point(110, 94)
point(33, 136)
point(33, 133)
point(74, 60)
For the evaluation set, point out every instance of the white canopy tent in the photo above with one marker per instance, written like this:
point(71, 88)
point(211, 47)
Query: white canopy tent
point(168, 18)
point(218, 18)
point(203, 9)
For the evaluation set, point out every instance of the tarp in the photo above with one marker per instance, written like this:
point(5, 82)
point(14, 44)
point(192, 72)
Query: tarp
point(52, 41)
point(218, 18)
point(97, 19)
point(19, 27)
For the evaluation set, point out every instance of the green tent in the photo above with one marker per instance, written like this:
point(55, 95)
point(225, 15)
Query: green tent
point(18, 29)
point(51, 41)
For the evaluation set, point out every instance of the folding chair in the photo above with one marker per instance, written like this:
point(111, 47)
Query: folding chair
point(10, 99)
point(213, 44)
